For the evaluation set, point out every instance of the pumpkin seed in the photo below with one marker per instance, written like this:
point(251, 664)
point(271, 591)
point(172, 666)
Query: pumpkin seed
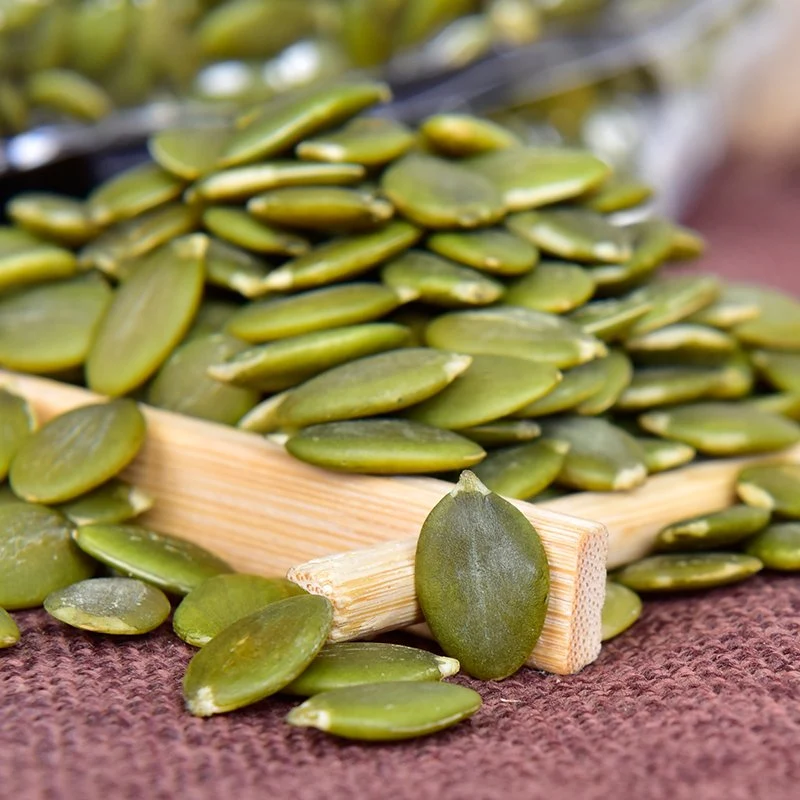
point(235, 269)
point(372, 142)
point(218, 602)
point(9, 632)
point(122, 606)
point(25, 260)
point(786, 404)
point(660, 386)
point(579, 384)
point(723, 429)
point(682, 343)
point(113, 502)
point(173, 565)
point(344, 664)
point(613, 318)
point(167, 286)
point(676, 572)
point(772, 486)
point(461, 135)
point(37, 555)
point(257, 656)
point(52, 216)
point(493, 250)
point(436, 193)
point(77, 451)
point(776, 328)
point(686, 243)
point(237, 227)
point(621, 608)
point(503, 432)
point(383, 446)
point(618, 373)
point(68, 92)
point(387, 711)
point(709, 531)
point(602, 457)
point(617, 193)
point(780, 370)
point(778, 547)
point(734, 306)
point(663, 454)
point(675, 299)
point(553, 287)
point(188, 153)
point(16, 424)
point(373, 385)
point(482, 580)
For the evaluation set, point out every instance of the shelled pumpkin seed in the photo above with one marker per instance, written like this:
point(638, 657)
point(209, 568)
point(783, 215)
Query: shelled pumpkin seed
point(621, 608)
point(9, 631)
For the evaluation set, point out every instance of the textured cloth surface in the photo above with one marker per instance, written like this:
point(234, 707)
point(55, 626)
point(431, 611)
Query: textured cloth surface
point(701, 699)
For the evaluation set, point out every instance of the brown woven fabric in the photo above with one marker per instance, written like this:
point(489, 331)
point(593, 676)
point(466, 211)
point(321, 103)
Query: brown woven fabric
point(701, 699)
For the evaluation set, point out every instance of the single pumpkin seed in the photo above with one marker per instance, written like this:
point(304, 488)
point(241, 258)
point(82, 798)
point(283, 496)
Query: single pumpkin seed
point(617, 193)
point(686, 243)
point(383, 446)
point(733, 307)
point(237, 227)
point(677, 572)
point(777, 327)
point(553, 287)
point(370, 141)
point(780, 370)
point(772, 486)
point(9, 632)
point(621, 608)
point(493, 250)
point(233, 268)
point(167, 287)
point(387, 711)
point(122, 606)
point(462, 135)
point(675, 299)
point(173, 565)
point(37, 555)
point(51, 216)
point(218, 602)
point(618, 373)
point(257, 656)
point(24, 260)
point(68, 92)
point(714, 530)
point(503, 432)
point(682, 343)
point(612, 318)
point(778, 547)
point(482, 579)
point(111, 503)
point(189, 153)
point(579, 384)
point(661, 386)
point(663, 454)
point(17, 422)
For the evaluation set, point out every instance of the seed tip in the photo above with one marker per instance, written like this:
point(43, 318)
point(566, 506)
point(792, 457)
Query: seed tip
point(305, 717)
point(456, 364)
point(447, 666)
point(469, 482)
point(202, 704)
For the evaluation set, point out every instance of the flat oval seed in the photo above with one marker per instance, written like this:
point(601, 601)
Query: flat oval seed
point(772, 486)
point(776, 328)
point(173, 565)
point(16, 424)
point(514, 331)
point(372, 385)
point(68, 92)
point(9, 632)
point(777, 547)
point(317, 310)
point(723, 429)
point(482, 580)
point(218, 602)
point(663, 454)
point(77, 451)
point(675, 299)
point(461, 135)
point(503, 432)
point(613, 318)
point(37, 555)
point(734, 306)
point(279, 365)
point(617, 193)
point(189, 153)
point(601, 458)
point(167, 287)
point(621, 608)
point(494, 250)
point(257, 656)
point(524, 470)
point(578, 384)
point(529, 177)
point(661, 386)
point(682, 343)
point(780, 370)
point(50, 328)
point(686, 243)
point(109, 605)
point(344, 664)
point(618, 372)
point(441, 194)
point(25, 260)
point(677, 572)
point(710, 531)
point(230, 267)
point(490, 388)
point(63, 219)
point(383, 446)
point(387, 711)
point(113, 502)
point(237, 227)
point(552, 287)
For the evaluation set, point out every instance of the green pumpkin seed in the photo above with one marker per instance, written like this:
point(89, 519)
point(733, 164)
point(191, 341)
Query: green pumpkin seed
point(709, 531)
point(677, 572)
point(189, 153)
point(9, 632)
point(320, 208)
point(235, 269)
point(441, 194)
point(52, 216)
point(618, 373)
point(167, 286)
point(111, 503)
point(237, 227)
point(68, 92)
point(686, 243)
point(734, 306)
point(173, 565)
point(25, 259)
point(524, 470)
point(786, 404)
point(276, 131)
point(613, 318)
point(257, 656)
point(461, 135)
point(343, 258)
point(344, 664)
point(77, 451)
point(578, 385)
point(663, 454)
point(617, 193)
point(383, 446)
point(661, 386)
point(494, 250)
point(675, 299)
point(482, 580)
point(218, 602)
point(322, 309)
point(287, 362)
point(372, 142)
point(780, 370)
point(778, 547)
point(778, 325)
point(131, 193)
point(553, 287)
point(49, 328)
point(16, 424)
point(183, 385)
point(37, 555)
point(490, 388)
point(723, 429)
point(264, 417)
point(503, 432)
point(373, 385)
point(529, 177)
point(682, 343)
point(387, 711)
point(772, 486)
point(514, 331)
point(621, 608)
point(121, 606)
point(602, 457)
